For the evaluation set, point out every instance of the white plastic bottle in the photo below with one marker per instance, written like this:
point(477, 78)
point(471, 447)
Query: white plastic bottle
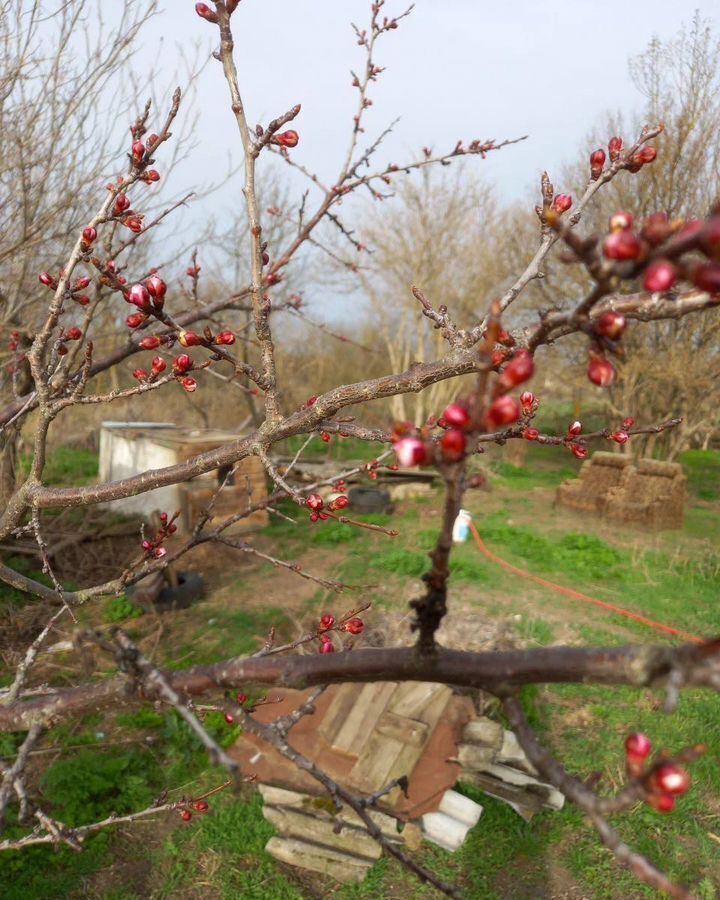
point(461, 527)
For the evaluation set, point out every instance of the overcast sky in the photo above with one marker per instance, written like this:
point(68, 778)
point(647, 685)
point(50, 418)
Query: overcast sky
point(454, 69)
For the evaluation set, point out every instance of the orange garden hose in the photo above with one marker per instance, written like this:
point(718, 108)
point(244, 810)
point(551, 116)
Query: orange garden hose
point(576, 595)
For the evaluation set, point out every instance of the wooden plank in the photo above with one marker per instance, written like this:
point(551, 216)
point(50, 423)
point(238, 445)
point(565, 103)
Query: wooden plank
point(400, 728)
point(323, 806)
point(413, 697)
point(341, 866)
point(291, 823)
point(345, 698)
point(358, 726)
point(385, 758)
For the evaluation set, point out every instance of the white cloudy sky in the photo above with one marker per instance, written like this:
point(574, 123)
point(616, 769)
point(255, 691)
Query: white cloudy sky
point(455, 69)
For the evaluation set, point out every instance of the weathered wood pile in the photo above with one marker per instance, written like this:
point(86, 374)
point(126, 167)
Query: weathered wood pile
point(493, 761)
point(309, 836)
point(366, 736)
point(649, 492)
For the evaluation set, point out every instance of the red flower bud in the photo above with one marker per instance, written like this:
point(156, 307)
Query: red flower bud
point(186, 815)
point(621, 221)
point(531, 434)
point(314, 502)
point(325, 437)
point(151, 175)
point(710, 241)
point(204, 11)
point(81, 283)
point(151, 342)
point(628, 422)
point(135, 320)
point(562, 203)
point(453, 445)
point(201, 806)
point(182, 364)
point(657, 228)
point(141, 375)
point(228, 718)
point(671, 779)
point(707, 277)
point(597, 161)
point(647, 155)
point(638, 746)
point(410, 451)
point(241, 698)
point(73, 334)
point(82, 299)
point(622, 245)
point(456, 415)
point(340, 502)
point(287, 139)
point(527, 400)
point(189, 339)
point(354, 625)
point(575, 429)
point(326, 645)
point(611, 325)
point(504, 411)
point(122, 202)
point(46, 279)
point(327, 621)
point(519, 369)
point(662, 802)
point(138, 295)
point(311, 401)
point(138, 151)
point(659, 276)
point(189, 384)
point(620, 437)
point(156, 287)
point(601, 371)
point(579, 451)
point(615, 145)
point(89, 234)
point(134, 223)
point(159, 365)
point(225, 337)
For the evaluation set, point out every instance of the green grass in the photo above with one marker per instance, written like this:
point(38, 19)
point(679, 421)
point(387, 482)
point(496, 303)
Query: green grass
point(119, 609)
point(537, 474)
point(223, 851)
point(702, 468)
point(66, 466)
point(235, 833)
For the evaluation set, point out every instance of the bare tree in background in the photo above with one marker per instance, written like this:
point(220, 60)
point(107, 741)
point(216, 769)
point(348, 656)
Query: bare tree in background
point(675, 363)
point(439, 232)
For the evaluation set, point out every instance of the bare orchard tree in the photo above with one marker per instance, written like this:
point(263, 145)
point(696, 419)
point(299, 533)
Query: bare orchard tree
point(672, 363)
point(165, 322)
point(438, 232)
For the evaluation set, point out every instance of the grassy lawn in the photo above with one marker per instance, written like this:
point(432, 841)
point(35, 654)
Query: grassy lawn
point(672, 577)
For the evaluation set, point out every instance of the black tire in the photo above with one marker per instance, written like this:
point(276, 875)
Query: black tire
point(369, 500)
point(190, 588)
